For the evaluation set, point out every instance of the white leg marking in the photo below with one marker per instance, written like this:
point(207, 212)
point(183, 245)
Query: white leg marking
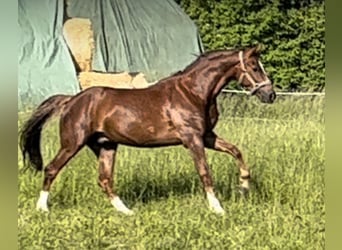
point(42, 201)
point(214, 204)
point(120, 206)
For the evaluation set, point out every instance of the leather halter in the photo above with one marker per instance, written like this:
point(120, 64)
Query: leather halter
point(256, 85)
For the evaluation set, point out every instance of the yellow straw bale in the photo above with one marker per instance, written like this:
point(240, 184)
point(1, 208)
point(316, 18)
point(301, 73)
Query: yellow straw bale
point(79, 37)
point(121, 80)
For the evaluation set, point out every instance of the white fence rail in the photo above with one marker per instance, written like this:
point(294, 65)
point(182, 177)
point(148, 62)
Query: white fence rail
point(278, 93)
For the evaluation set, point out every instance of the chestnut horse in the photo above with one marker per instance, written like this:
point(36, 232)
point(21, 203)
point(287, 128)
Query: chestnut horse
point(178, 110)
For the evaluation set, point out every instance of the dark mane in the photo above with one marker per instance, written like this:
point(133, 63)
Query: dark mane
point(208, 55)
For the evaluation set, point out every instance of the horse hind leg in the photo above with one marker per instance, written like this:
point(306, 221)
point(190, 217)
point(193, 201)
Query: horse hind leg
point(51, 172)
point(70, 145)
point(106, 152)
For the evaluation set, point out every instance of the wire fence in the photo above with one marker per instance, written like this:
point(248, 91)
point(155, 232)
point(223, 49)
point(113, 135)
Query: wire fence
point(232, 91)
point(278, 93)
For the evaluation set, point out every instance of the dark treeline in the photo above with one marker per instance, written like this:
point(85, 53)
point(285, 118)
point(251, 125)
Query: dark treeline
point(292, 33)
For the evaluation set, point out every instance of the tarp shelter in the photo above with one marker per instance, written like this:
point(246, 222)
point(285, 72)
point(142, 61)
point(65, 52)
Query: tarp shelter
point(44, 63)
point(154, 37)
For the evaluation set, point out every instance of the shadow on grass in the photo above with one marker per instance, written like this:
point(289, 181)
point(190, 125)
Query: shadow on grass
point(144, 190)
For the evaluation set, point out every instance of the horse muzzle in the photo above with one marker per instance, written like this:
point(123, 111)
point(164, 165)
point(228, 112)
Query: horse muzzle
point(266, 96)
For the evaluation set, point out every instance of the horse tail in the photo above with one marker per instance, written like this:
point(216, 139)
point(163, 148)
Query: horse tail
point(31, 131)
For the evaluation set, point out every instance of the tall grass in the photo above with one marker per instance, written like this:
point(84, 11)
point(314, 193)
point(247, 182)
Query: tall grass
point(283, 144)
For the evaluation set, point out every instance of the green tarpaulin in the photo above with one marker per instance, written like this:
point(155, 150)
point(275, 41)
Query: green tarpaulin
point(44, 63)
point(151, 36)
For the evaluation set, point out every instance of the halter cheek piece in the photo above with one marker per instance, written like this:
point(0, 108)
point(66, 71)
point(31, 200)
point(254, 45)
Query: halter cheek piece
point(256, 85)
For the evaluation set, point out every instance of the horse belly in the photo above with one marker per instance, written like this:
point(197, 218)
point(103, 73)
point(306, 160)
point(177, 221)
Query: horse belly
point(141, 132)
point(144, 136)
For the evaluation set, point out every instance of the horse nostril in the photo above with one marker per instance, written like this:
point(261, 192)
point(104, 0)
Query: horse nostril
point(272, 96)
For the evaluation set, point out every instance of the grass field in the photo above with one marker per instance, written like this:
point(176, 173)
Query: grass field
point(283, 144)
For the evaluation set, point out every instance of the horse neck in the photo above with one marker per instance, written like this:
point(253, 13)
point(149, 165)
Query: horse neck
point(208, 79)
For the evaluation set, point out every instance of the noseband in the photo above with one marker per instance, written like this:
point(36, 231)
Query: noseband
point(256, 85)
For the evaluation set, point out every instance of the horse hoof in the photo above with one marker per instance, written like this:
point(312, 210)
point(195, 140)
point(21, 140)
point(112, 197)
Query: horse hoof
point(43, 209)
point(214, 204)
point(244, 191)
point(218, 211)
point(120, 206)
point(128, 212)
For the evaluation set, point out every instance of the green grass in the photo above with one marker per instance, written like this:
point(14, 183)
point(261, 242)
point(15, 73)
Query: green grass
point(283, 144)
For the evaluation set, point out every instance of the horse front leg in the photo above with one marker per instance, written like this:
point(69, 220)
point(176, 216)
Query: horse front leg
point(195, 145)
point(212, 141)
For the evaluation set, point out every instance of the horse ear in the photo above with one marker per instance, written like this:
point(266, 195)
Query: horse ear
point(256, 50)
